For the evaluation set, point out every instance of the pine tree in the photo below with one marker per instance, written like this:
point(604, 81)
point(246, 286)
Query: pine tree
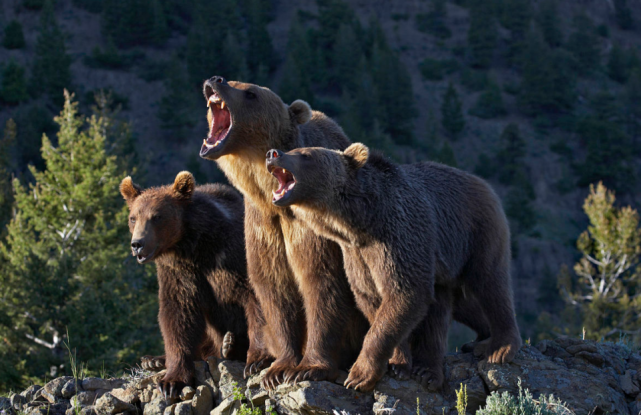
point(14, 84)
point(452, 117)
point(549, 22)
point(631, 100)
point(618, 64)
point(6, 194)
point(511, 153)
point(623, 15)
point(134, 22)
point(482, 34)
point(607, 287)
point(434, 22)
point(546, 85)
point(294, 85)
point(175, 112)
point(489, 104)
point(347, 55)
point(13, 36)
point(583, 45)
point(259, 46)
point(515, 16)
point(65, 258)
point(51, 72)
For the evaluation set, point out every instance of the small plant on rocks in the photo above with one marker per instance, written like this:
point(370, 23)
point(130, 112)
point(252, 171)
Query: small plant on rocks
point(523, 404)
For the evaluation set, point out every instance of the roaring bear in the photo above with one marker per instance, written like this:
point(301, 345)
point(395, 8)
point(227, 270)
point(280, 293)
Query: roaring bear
point(297, 275)
point(417, 240)
point(194, 234)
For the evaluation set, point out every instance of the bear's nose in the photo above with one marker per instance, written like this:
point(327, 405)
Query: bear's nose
point(217, 80)
point(274, 154)
point(137, 245)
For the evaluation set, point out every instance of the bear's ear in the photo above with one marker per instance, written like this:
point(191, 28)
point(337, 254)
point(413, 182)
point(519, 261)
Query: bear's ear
point(184, 185)
point(357, 155)
point(129, 190)
point(300, 111)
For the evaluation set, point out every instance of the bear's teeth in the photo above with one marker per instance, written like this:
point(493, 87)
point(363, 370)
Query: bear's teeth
point(207, 144)
point(222, 105)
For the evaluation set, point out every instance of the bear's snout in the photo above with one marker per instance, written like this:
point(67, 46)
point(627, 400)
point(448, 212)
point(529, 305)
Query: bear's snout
point(137, 246)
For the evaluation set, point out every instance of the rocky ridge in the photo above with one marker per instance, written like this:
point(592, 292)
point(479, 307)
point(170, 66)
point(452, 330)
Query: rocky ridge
point(592, 378)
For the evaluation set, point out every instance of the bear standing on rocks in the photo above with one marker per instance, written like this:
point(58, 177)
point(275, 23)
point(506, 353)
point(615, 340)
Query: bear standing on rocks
point(417, 240)
point(195, 237)
point(297, 275)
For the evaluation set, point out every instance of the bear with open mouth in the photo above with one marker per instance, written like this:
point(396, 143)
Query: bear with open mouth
point(297, 275)
point(194, 235)
point(421, 243)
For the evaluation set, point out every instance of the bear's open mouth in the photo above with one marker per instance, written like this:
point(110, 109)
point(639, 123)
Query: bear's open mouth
point(220, 125)
point(145, 258)
point(286, 182)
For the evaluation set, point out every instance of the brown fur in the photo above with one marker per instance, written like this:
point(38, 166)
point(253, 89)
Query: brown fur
point(298, 276)
point(416, 240)
point(195, 237)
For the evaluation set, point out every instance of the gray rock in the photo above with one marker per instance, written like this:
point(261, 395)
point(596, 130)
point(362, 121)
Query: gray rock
point(170, 410)
point(55, 386)
point(100, 392)
point(202, 402)
point(92, 384)
point(88, 410)
point(128, 395)
point(230, 372)
point(109, 405)
point(56, 409)
point(184, 408)
point(84, 398)
point(225, 407)
point(187, 393)
point(258, 398)
point(5, 403)
point(156, 406)
point(321, 398)
point(117, 383)
point(30, 392)
point(69, 389)
point(17, 401)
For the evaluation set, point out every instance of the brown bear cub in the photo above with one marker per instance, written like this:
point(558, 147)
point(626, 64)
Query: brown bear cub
point(298, 276)
point(417, 240)
point(194, 234)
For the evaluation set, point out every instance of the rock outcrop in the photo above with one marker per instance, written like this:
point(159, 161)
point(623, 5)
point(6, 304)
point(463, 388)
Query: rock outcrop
point(590, 377)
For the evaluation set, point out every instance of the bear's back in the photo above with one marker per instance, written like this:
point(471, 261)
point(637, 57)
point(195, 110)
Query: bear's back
point(322, 131)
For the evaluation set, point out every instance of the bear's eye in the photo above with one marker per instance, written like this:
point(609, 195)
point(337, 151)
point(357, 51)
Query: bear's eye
point(250, 95)
point(132, 219)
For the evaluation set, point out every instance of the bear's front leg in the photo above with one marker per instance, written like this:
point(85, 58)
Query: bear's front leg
point(183, 328)
point(396, 317)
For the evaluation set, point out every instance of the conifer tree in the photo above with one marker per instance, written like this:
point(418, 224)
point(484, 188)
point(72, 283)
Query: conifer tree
point(259, 43)
point(452, 117)
point(176, 109)
point(51, 72)
point(482, 34)
point(583, 45)
point(515, 16)
point(65, 253)
point(13, 36)
point(623, 15)
point(606, 292)
point(631, 101)
point(14, 84)
point(549, 22)
point(434, 22)
point(294, 85)
point(347, 55)
point(490, 103)
point(511, 153)
point(546, 85)
point(618, 64)
point(7, 143)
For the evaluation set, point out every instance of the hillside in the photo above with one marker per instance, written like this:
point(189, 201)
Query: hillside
point(541, 171)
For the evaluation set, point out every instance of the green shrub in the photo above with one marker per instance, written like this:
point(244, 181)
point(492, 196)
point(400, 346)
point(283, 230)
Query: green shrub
point(474, 80)
point(13, 36)
point(489, 104)
point(431, 69)
point(523, 404)
point(112, 58)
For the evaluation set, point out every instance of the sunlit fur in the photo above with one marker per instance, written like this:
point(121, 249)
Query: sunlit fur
point(298, 276)
point(417, 240)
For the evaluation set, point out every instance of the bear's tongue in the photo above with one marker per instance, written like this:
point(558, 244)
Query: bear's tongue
point(286, 182)
point(220, 125)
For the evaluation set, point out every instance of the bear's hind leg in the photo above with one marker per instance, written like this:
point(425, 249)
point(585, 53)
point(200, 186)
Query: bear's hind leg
point(467, 310)
point(490, 286)
point(153, 363)
point(429, 341)
point(400, 365)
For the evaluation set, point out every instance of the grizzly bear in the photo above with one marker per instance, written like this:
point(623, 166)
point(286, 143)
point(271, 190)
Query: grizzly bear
point(417, 240)
point(194, 234)
point(297, 275)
